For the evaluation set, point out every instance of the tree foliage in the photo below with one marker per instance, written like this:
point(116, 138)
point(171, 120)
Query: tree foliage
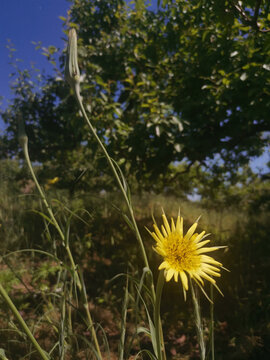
point(182, 82)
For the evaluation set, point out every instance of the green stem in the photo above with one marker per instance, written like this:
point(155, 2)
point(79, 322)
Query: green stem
point(91, 326)
point(73, 265)
point(89, 317)
point(76, 89)
point(212, 324)
point(50, 212)
point(22, 323)
point(158, 326)
point(198, 322)
point(47, 206)
point(78, 97)
point(123, 324)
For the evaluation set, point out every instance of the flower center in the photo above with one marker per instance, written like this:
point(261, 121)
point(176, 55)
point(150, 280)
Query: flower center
point(181, 254)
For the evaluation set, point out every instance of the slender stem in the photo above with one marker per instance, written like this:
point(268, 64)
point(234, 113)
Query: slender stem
point(158, 326)
point(48, 208)
point(78, 97)
point(89, 317)
point(73, 265)
point(70, 330)
point(2, 355)
point(91, 325)
point(22, 323)
point(212, 334)
point(198, 322)
point(76, 89)
point(62, 325)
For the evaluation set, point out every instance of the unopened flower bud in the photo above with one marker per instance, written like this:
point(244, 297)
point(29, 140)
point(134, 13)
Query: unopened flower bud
point(72, 72)
point(23, 138)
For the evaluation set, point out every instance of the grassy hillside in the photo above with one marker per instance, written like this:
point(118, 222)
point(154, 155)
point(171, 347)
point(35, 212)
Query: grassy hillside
point(103, 246)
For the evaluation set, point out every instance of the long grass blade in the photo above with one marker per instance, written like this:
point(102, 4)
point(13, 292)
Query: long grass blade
point(123, 324)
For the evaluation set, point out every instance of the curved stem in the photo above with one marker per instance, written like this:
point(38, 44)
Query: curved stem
point(22, 323)
point(76, 89)
point(69, 253)
point(78, 97)
point(48, 208)
point(50, 212)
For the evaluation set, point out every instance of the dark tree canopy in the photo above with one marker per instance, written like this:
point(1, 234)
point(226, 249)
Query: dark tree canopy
point(186, 82)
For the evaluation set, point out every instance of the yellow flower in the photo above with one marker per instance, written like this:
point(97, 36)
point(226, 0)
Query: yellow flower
point(185, 254)
point(53, 181)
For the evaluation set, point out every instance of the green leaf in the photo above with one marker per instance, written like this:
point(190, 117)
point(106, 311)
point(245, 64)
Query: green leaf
point(3, 355)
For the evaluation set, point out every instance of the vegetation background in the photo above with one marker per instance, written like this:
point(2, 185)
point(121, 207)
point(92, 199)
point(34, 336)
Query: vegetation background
point(180, 95)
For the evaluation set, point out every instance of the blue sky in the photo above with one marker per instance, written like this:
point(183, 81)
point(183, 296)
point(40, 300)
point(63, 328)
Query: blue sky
point(25, 21)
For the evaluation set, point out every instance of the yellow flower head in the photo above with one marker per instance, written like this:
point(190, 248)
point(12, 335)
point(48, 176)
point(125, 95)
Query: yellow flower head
point(185, 254)
point(53, 181)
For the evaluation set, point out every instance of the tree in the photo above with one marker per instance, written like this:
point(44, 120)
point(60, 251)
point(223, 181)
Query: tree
point(187, 82)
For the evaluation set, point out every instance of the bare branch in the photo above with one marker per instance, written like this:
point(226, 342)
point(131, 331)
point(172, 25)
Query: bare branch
point(252, 22)
point(242, 12)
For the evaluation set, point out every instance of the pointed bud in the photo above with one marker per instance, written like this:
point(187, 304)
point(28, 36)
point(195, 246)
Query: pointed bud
point(72, 72)
point(22, 137)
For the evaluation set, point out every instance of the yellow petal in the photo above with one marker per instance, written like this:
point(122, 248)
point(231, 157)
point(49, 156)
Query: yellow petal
point(204, 275)
point(179, 226)
point(160, 251)
point(172, 225)
point(190, 231)
point(164, 231)
point(198, 277)
point(169, 274)
point(210, 267)
point(184, 280)
point(207, 249)
point(176, 276)
point(210, 260)
point(211, 272)
point(163, 265)
point(154, 235)
point(158, 232)
point(167, 226)
point(199, 245)
point(199, 237)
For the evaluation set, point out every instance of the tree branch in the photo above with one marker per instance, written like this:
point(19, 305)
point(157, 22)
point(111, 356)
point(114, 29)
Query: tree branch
point(256, 13)
point(242, 12)
point(173, 178)
point(252, 22)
